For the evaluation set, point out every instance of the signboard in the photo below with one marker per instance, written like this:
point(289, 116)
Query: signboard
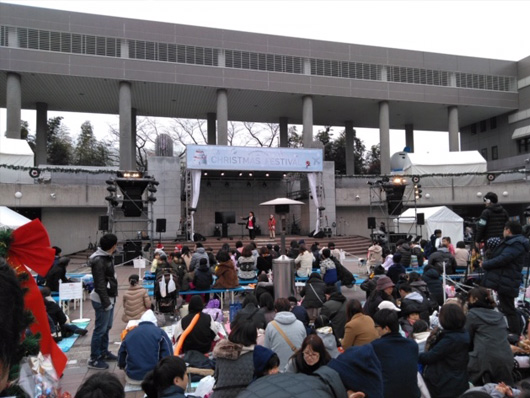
point(139, 263)
point(218, 157)
point(71, 291)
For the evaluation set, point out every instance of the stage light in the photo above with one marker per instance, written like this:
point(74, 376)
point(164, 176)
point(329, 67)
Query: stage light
point(417, 191)
point(129, 174)
point(250, 174)
point(266, 175)
point(222, 174)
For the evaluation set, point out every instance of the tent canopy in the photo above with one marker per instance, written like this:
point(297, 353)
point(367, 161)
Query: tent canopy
point(419, 164)
point(15, 152)
point(11, 219)
point(438, 217)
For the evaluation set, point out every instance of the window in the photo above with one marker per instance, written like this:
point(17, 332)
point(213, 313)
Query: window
point(473, 129)
point(493, 123)
point(524, 145)
point(494, 152)
point(484, 153)
point(483, 126)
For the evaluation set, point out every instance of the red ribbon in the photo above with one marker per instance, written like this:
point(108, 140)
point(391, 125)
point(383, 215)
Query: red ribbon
point(31, 248)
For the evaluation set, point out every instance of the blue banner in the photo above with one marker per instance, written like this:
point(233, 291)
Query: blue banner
point(217, 157)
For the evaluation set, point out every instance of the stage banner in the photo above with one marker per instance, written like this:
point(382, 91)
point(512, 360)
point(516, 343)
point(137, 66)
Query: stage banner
point(218, 157)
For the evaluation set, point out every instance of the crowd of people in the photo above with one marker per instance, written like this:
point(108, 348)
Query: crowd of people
point(408, 339)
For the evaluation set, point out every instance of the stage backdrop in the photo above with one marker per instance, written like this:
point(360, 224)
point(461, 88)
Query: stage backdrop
point(217, 157)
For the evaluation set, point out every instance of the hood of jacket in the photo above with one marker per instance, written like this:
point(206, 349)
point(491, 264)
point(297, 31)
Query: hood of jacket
point(225, 349)
point(201, 250)
point(496, 208)
point(415, 296)
point(285, 317)
point(100, 252)
point(488, 316)
point(405, 246)
point(213, 303)
point(204, 267)
point(149, 316)
point(337, 297)
point(514, 239)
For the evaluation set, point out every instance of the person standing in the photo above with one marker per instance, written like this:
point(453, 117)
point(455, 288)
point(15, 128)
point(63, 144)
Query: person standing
point(491, 221)
point(272, 226)
point(251, 224)
point(103, 298)
point(503, 271)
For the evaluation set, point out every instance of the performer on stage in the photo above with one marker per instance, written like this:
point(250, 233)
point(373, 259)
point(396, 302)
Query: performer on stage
point(251, 225)
point(272, 226)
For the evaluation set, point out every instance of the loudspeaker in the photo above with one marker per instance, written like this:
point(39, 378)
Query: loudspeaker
point(319, 235)
point(420, 218)
point(198, 237)
point(394, 238)
point(371, 223)
point(103, 223)
point(160, 225)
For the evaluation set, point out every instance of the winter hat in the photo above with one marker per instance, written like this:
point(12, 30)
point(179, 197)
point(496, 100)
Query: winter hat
point(360, 370)
point(196, 304)
point(492, 197)
point(261, 355)
point(383, 282)
point(387, 305)
point(149, 316)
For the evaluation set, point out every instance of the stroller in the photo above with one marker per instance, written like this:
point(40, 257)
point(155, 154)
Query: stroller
point(166, 291)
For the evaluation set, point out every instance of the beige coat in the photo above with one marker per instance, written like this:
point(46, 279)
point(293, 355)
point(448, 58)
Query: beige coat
point(360, 330)
point(135, 302)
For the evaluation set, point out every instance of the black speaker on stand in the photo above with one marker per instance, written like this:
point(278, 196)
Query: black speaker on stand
point(420, 218)
point(371, 223)
point(160, 227)
point(103, 224)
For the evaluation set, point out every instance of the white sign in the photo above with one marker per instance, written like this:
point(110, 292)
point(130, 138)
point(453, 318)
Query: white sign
point(70, 291)
point(139, 263)
point(218, 157)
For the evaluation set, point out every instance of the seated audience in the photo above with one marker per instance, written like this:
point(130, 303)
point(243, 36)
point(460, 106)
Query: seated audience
point(101, 385)
point(263, 286)
point(396, 269)
point(354, 374)
point(203, 278)
point(383, 292)
point(360, 328)
point(234, 361)
point(142, 348)
point(490, 359)
point(202, 334)
point(246, 264)
point(226, 272)
point(250, 313)
point(448, 355)
point(304, 262)
point(413, 302)
point(398, 357)
point(284, 324)
point(266, 362)
point(313, 294)
point(309, 357)
point(135, 300)
point(335, 309)
point(169, 379)
point(324, 330)
point(266, 307)
point(57, 318)
point(264, 263)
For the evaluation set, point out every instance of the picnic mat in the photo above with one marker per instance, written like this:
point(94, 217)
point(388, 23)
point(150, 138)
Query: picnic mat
point(67, 343)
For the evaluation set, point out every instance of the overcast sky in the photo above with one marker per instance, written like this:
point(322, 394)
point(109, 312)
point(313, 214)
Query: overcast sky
point(490, 29)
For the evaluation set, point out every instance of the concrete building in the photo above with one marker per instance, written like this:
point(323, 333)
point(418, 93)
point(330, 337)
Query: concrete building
point(57, 60)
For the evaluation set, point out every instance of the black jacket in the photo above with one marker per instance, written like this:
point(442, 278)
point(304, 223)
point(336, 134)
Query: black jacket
point(405, 252)
point(446, 364)
point(437, 258)
point(105, 282)
point(203, 278)
point(335, 310)
point(201, 336)
point(264, 264)
point(313, 293)
point(491, 223)
point(251, 313)
point(55, 274)
point(431, 276)
point(505, 266)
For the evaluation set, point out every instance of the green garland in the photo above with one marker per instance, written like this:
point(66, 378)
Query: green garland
point(5, 241)
point(57, 169)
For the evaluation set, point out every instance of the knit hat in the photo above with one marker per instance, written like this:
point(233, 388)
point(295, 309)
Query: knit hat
point(383, 282)
point(492, 197)
point(360, 370)
point(261, 355)
point(387, 305)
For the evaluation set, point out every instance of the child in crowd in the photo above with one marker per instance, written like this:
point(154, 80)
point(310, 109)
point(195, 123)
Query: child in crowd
point(168, 379)
point(266, 362)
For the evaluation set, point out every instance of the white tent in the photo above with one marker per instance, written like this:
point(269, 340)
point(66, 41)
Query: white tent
point(11, 219)
point(419, 164)
point(439, 217)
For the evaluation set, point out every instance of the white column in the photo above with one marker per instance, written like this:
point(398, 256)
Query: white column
point(13, 105)
point(127, 159)
point(222, 117)
point(384, 136)
point(307, 120)
point(454, 145)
